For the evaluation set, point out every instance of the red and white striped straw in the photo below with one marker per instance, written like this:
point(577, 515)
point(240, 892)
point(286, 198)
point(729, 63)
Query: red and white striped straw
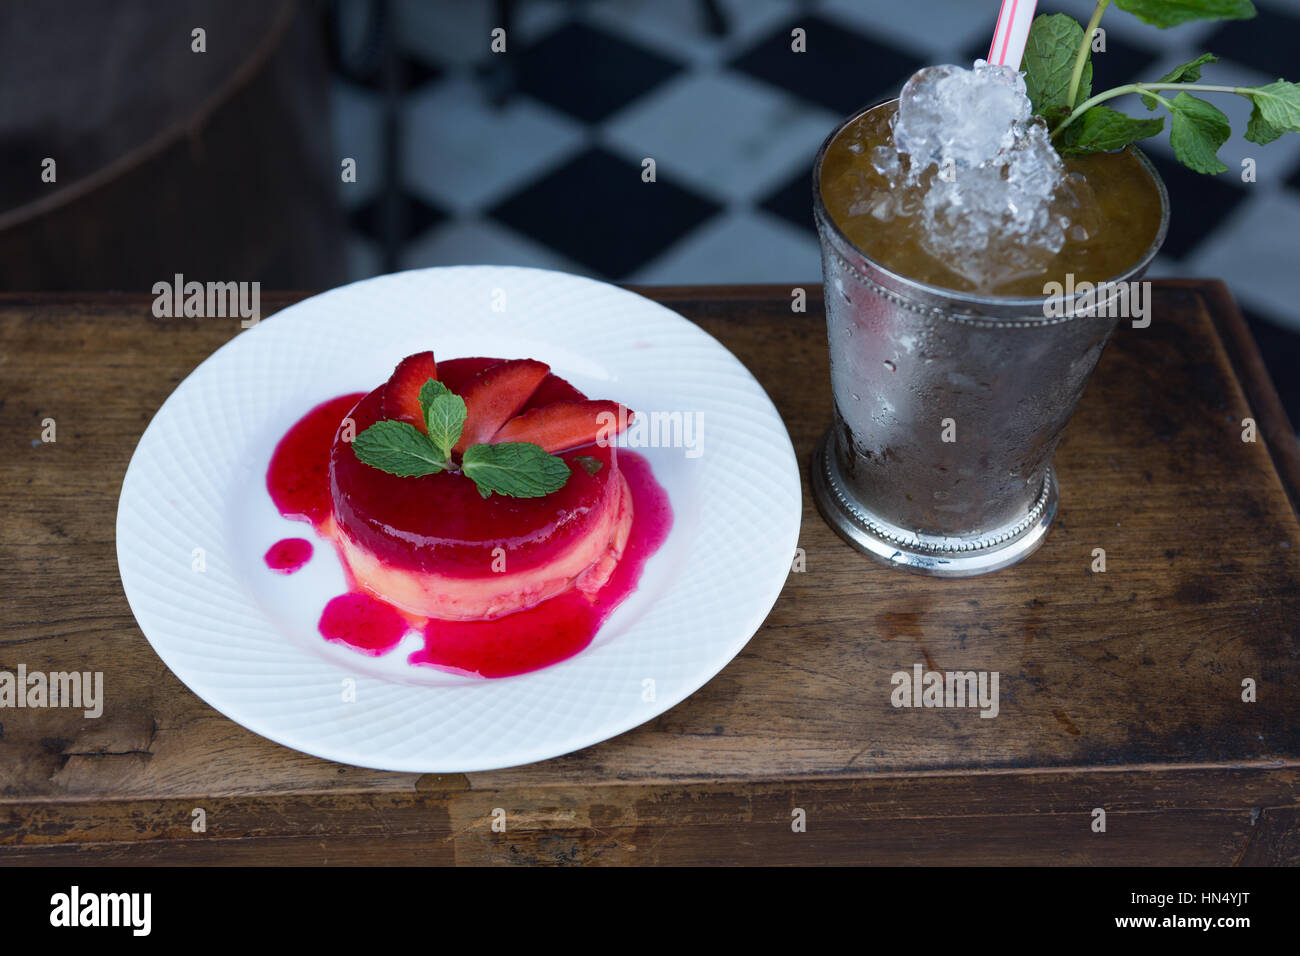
point(1008, 47)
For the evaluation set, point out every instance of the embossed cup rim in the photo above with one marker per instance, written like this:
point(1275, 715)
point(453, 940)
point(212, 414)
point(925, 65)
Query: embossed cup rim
point(953, 304)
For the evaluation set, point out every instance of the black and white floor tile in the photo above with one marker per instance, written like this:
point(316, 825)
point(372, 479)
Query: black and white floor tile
point(535, 157)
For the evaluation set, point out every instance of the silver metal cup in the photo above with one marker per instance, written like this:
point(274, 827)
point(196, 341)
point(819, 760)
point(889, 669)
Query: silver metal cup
point(912, 365)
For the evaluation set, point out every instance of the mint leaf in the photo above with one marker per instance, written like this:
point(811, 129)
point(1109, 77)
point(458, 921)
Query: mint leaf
point(444, 417)
point(1196, 133)
point(1260, 130)
point(430, 390)
point(1188, 72)
point(517, 469)
point(1278, 105)
point(398, 448)
point(589, 465)
point(1103, 129)
point(1053, 45)
point(1276, 111)
point(1170, 13)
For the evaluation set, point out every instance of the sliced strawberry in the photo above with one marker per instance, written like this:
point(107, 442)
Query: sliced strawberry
point(495, 395)
point(553, 389)
point(563, 425)
point(458, 372)
point(402, 393)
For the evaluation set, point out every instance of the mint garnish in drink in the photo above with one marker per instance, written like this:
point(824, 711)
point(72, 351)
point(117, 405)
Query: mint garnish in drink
point(515, 469)
point(1058, 78)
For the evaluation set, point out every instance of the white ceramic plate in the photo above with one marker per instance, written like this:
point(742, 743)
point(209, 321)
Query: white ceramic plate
point(244, 638)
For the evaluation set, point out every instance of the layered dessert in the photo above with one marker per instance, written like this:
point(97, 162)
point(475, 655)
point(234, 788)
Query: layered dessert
point(432, 545)
point(481, 502)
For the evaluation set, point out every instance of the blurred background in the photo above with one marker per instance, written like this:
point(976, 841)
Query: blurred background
point(226, 164)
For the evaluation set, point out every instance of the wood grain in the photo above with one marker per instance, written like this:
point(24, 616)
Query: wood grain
point(1119, 690)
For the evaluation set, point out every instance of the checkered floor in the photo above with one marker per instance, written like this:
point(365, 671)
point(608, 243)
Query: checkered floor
point(534, 157)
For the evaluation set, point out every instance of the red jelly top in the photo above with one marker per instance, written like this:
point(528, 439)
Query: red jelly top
point(440, 523)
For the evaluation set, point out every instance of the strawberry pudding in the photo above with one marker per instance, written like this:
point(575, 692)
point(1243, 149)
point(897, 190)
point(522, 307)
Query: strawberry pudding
point(433, 546)
point(479, 502)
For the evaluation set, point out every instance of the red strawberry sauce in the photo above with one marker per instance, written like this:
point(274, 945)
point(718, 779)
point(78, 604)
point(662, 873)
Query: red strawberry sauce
point(298, 482)
point(299, 479)
point(363, 622)
point(288, 555)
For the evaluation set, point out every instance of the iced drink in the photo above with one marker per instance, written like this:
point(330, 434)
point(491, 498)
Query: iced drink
point(942, 217)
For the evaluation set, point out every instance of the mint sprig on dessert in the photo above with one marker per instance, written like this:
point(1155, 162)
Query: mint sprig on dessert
point(514, 469)
point(1058, 77)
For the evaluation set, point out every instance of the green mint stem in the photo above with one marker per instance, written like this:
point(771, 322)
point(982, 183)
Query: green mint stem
point(1077, 75)
point(1145, 88)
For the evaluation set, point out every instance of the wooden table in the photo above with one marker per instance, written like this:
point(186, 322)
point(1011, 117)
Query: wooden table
point(1120, 690)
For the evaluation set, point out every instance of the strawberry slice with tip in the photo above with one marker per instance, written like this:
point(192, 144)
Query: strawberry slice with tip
point(402, 393)
point(495, 395)
point(563, 425)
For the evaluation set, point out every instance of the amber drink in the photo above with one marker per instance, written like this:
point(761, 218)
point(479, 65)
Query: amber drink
point(955, 361)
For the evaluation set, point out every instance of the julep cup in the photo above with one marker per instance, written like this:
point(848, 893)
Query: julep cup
point(948, 406)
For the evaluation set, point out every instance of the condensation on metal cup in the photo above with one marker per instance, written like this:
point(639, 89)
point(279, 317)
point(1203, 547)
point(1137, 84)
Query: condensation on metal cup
point(907, 357)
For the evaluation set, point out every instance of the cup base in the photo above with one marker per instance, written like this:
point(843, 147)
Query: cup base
point(935, 555)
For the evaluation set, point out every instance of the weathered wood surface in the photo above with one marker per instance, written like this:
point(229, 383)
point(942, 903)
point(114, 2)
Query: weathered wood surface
point(1119, 690)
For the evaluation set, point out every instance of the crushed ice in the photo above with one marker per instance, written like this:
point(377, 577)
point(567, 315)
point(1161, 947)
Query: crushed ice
point(991, 193)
